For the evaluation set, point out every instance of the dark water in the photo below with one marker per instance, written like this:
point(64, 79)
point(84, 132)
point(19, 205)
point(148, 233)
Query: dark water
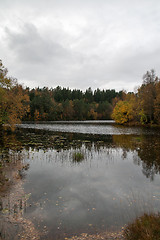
point(115, 180)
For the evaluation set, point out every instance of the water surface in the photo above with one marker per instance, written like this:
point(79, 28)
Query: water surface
point(116, 180)
point(89, 127)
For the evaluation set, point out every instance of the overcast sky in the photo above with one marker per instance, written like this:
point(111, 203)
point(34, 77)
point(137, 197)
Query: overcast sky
point(80, 43)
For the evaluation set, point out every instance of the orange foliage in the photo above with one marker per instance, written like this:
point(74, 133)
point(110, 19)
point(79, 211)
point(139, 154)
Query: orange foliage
point(122, 112)
point(14, 101)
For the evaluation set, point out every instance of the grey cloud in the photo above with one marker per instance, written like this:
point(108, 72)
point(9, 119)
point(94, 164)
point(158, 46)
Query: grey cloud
point(42, 60)
point(28, 45)
point(91, 43)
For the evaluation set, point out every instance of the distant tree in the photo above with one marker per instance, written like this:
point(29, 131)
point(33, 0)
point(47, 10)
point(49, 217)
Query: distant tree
point(149, 77)
point(109, 95)
point(97, 95)
point(77, 94)
point(68, 111)
point(88, 95)
point(104, 110)
point(57, 94)
point(92, 114)
point(80, 109)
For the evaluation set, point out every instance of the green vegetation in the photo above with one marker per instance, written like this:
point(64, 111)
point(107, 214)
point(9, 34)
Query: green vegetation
point(146, 227)
point(66, 104)
point(78, 156)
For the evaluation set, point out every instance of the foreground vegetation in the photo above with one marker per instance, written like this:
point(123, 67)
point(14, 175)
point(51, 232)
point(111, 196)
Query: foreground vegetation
point(146, 227)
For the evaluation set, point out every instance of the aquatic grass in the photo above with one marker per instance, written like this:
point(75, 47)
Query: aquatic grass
point(146, 227)
point(78, 156)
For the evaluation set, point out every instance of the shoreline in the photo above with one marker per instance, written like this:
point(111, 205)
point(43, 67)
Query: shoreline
point(13, 225)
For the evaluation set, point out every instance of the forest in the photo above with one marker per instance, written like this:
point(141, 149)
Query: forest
point(49, 104)
point(44, 104)
point(66, 104)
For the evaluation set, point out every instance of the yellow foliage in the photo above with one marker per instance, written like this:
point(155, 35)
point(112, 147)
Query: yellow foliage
point(123, 112)
point(36, 115)
point(14, 102)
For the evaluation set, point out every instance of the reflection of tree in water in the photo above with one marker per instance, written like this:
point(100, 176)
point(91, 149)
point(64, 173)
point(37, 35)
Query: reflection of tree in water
point(146, 151)
point(149, 153)
point(10, 157)
point(11, 160)
point(126, 142)
point(36, 139)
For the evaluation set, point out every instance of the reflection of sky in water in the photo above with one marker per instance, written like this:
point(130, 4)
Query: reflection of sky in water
point(97, 127)
point(102, 191)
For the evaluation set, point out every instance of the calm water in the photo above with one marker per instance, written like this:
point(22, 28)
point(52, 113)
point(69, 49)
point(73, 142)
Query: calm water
point(116, 180)
point(89, 127)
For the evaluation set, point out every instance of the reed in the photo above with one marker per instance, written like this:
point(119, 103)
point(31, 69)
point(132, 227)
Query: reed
point(146, 227)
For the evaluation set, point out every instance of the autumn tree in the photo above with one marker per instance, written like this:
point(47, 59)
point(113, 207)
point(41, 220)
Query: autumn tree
point(68, 111)
point(143, 106)
point(14, 102)
point(146, 97)
point(157, 103)
point(123, 112)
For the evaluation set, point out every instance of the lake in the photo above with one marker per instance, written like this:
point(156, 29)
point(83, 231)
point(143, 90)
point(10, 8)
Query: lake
point(78, 177)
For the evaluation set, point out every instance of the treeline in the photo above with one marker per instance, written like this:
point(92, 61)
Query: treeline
point(44, 104)
point(142, 107)
point(66, 104)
